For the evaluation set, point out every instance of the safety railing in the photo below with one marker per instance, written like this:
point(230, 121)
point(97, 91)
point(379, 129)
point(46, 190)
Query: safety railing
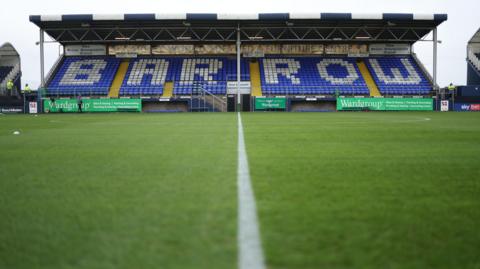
point(204, 101)
point(53, 70)
point(423, 68)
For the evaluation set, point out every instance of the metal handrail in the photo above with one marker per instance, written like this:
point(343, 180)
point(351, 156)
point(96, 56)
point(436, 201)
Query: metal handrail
point(201, 94)
point(424, 69)
point(53, 70)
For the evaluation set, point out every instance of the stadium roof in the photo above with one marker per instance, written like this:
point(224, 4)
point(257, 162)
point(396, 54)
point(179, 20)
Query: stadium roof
point(475, 38)
point(40, 19)
point(260, 27)
point(7, 50)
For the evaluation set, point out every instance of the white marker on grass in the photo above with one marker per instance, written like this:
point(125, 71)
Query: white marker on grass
point(250, 253)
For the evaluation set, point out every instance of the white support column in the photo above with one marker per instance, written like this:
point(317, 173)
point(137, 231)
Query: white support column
point(435, 47)
point(42, 59)
point(238, 69)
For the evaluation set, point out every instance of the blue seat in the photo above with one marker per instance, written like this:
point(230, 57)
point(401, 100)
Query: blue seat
point(398, 75)
point(84, 76)
point(311, 76)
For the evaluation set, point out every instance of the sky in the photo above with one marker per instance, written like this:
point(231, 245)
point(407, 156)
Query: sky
point(463, 21)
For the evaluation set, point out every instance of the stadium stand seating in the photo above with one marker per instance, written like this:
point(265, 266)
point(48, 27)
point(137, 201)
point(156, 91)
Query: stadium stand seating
point(210, 74)
point(207, 73)
point(398, 76)
point(84, 75)
point(4, 71)
point(394, 75)
point(311, 75)
point(145, 76)
point(148, 75)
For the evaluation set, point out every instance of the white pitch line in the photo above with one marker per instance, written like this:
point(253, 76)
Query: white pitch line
point(250, 253)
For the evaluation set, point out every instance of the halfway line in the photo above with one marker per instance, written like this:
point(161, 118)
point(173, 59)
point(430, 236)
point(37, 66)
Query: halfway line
point(250, 254)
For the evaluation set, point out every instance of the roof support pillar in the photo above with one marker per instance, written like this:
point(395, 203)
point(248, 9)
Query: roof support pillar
point(435, 48)
point(239, 52)
point(42, 58)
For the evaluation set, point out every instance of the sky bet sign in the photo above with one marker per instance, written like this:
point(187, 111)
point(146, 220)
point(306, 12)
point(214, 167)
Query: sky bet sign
point(467, 107)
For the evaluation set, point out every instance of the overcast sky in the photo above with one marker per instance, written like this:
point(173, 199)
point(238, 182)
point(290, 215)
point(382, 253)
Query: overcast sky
point(462, 23)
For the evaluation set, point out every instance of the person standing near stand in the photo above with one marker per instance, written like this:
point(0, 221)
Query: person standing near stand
point(26, 91)
point(79, 103)
point(10, 87)
point(451, 90)
point(451, 87)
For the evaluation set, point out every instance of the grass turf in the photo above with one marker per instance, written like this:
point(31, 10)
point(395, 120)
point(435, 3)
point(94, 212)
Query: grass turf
point(367, 190)
point(118, 191)
point(336, 190)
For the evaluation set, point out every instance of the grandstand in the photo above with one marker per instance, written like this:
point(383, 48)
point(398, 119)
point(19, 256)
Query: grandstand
point(9, 68)
point(473, 60)
point(238, 58)
point(467, 98)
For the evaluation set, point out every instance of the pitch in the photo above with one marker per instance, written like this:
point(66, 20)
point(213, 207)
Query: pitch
point(334, 190)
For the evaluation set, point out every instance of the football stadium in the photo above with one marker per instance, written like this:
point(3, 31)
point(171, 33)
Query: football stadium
point(249, 141)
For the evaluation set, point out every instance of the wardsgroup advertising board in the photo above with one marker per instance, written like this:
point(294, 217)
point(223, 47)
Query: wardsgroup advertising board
point(270, 103)
point(93, 105)
point(385, 104)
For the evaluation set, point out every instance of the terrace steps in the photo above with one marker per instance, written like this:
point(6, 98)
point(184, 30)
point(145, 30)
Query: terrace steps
point(372, 86)
point(118, 80)
point(167, 90)
point(255, 79)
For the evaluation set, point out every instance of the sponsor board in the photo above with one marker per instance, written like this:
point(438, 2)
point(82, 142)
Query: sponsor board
point(245, 87)
point(32, 107)
point(467, 107)
point(93, 105)
point(11, 110)
point(389, 49)
point(85, 50)
point(270, 103)
point(444, 105)
point(385, 104)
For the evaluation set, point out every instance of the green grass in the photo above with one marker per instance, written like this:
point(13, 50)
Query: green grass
point(118, 191)
point(367, 190)
point(334, 190)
